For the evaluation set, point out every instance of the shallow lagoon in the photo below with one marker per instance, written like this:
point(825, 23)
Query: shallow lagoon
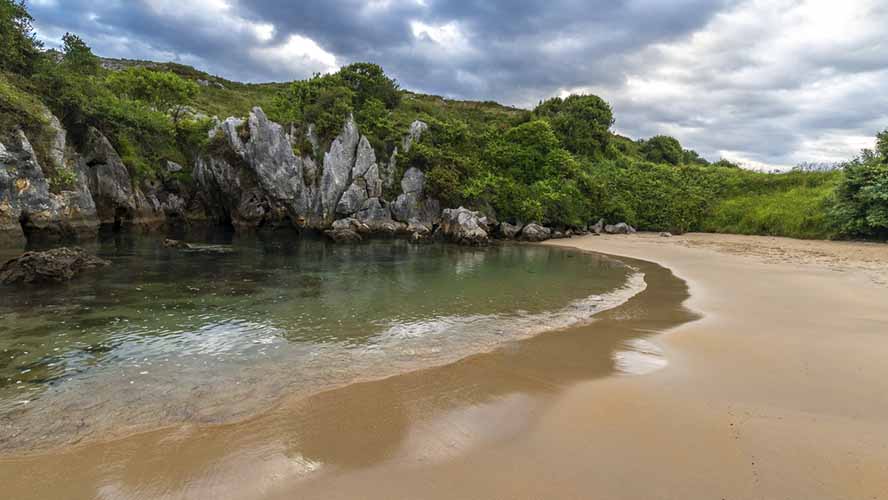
point(164, 336)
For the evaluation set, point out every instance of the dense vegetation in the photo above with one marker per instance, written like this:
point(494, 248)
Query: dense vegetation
point(559, 164)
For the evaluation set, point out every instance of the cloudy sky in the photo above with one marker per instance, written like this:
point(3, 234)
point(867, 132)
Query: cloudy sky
point(763, 82)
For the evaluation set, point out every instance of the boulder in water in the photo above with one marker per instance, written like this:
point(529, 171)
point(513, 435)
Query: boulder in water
point(52, 266)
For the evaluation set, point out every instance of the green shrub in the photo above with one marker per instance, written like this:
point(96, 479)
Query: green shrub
point(861, 207)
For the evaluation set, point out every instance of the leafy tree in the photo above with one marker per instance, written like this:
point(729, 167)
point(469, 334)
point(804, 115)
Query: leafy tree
point(19, 47)
point(162, 91)
point(322, 100)
point(523, 150)
point(662, 149)
point(70, 84)
point(691, 157)
point(882, 145)
point(368, 81)
point(861, 208)
point(78, 57)
point(582, 122)
point(376, 123)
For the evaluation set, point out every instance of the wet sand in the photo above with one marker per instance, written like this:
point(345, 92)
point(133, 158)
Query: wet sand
point(779, 391)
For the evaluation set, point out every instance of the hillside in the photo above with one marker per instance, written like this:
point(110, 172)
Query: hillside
point(559, 164)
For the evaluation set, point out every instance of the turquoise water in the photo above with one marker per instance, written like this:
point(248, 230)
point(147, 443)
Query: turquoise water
point(162, 336)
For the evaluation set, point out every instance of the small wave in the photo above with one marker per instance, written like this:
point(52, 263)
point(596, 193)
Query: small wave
point(447, 338)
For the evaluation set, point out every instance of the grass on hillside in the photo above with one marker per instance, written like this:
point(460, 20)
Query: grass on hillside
point(793, 204)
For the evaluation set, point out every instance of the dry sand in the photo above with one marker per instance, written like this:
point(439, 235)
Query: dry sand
point(779, 391)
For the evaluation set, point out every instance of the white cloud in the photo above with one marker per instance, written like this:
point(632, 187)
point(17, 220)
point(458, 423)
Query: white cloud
point(298, 54)
point(448, 37)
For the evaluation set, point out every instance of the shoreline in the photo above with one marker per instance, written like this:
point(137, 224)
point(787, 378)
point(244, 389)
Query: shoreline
point(777, 392)
point(35, 435)
point(522, 375)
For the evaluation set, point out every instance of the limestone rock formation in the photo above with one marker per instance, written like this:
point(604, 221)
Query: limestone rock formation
point(598, 228)
point(27, 202)
point(535, 232)
point(621, 228)
point(463, 226)
point(509, 231)
point(338, 165)
point(413, 202)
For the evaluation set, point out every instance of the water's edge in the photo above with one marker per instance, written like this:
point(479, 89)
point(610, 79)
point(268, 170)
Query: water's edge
point(575, 314)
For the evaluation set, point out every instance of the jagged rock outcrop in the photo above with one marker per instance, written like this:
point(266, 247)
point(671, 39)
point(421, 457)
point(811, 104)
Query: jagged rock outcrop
point(413, 202)
point(387, 173)
point(28, 205)
point(338, 165)
point(109, 180)
point(254, 183)
point(118, 200)
point(251, 178)
point(535, 233)
point(52, 266)
point(464, 226)
point(417, 129)
point(366, 183)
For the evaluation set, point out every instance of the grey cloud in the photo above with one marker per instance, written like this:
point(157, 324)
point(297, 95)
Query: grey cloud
point(521, 51)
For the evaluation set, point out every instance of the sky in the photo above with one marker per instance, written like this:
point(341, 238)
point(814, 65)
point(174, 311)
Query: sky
point(766, 83)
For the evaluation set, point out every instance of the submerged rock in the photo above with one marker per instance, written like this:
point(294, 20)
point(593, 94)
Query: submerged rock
point(535, 233)
point(463, 226)
point(52, 266)
point(344, 235)
point(197, 247)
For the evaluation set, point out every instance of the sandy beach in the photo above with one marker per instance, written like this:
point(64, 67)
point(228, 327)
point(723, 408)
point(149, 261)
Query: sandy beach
point(774, 385)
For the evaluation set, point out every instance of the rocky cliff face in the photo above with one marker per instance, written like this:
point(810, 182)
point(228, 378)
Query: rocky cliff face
point(28, 206)
point(249, 178)
point(97, 189)
point(261, 182)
